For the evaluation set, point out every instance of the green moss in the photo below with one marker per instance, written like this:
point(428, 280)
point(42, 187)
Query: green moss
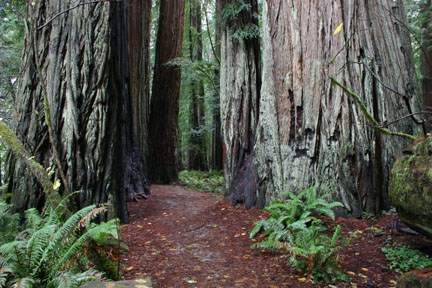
point(410, 187)
point(8, 138)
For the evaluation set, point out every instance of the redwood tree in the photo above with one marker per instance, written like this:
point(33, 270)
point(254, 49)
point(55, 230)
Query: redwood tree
point(164, 108)
point(73, 107)
point(139, 67)
point(240, 90)
point(310, 130)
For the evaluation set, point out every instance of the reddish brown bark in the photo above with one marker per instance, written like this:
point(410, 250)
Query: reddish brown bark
point(427, 62)
point(163, 127)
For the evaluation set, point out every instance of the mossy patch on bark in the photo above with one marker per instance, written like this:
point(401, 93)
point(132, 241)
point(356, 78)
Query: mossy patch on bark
point(411, 187)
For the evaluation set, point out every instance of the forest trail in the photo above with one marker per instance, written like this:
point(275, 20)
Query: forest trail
point(185, 238)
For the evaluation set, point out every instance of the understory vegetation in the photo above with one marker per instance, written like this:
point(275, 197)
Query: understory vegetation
point(202, 180)
point(294, 226)
point(47, 251)
point(403, 258)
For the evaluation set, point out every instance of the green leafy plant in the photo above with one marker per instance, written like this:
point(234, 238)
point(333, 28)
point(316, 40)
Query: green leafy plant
point(50, 252)
point(9, 223)
point(204, 181)
point(294, 226)
point(233, 15)
point(403, 258)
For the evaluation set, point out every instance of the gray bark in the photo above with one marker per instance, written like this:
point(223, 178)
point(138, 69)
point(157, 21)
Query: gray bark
point(240, 88)
point(77, 64)
point(310, 131)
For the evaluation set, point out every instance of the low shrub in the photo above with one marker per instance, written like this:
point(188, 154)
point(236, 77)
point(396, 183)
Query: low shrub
point(403, 258)
point(204, 181)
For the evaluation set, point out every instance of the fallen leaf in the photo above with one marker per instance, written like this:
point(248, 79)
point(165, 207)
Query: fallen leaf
point(350, 273)
point(365, 269)
point(302, 279)
point(338, 29)
point(191, 281)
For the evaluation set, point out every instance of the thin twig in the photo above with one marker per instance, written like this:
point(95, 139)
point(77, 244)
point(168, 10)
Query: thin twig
point(368, 115)
point(69, 9)
point(382, 82)
point(384, 125)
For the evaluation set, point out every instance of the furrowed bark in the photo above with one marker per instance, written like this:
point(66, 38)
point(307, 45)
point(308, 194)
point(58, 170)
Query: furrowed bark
point(311, 131)
point(78, 63)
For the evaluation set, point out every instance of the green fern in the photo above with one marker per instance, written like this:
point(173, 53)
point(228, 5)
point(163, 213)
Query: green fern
point(23, 283)
point(293, 226)
point(46, 253)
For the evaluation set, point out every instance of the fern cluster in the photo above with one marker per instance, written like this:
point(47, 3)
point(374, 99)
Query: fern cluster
point(294, 226)
point(50, 252)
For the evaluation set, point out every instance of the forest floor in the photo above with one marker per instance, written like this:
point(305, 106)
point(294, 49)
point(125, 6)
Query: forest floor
point(185, 238)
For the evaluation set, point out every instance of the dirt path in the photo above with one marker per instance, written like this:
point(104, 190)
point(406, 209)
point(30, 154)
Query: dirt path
point(184, 238)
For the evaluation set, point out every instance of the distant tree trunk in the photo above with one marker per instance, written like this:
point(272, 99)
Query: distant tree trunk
point(163, 128)
point(197, 154)
point(139, 63)
point(76, 68)
point(310, 131)
point(240, 89)
point(217, 147)
point(427, 60)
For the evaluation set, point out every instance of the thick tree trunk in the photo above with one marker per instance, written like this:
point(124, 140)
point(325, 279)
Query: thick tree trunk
point(164, 110)
point(240, 88)
point(310, 131)
point(76, 68)
point(139, 63)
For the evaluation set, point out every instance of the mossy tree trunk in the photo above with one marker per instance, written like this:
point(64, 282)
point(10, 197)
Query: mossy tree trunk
point(163, 128)
point(240, 89)
point(74, 107)
point(310, 131)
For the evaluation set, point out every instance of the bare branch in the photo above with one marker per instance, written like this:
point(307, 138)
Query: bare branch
point(80, 3)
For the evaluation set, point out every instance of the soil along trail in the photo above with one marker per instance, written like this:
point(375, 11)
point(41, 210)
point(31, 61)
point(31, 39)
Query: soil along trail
point(184, 238)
